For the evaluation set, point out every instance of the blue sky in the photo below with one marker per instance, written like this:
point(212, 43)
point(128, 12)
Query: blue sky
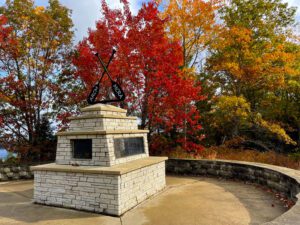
point(86, 12)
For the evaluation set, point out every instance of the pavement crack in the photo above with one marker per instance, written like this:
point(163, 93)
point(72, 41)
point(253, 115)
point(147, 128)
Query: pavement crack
point(181, 185)
point(121, 220)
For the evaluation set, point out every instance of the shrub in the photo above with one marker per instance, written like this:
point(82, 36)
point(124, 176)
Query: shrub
point(222, 152)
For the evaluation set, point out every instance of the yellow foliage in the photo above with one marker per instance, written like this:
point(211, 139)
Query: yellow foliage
point(275, 129)
point(294, 84)
point(39, 9)
point(231, 110)
point(236, 105)
point(243, 58)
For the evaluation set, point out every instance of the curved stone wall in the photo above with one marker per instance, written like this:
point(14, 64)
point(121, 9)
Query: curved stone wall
point(279, 179)
point(15, 172)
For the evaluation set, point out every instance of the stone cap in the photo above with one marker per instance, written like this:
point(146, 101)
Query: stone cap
point(112, 170)
point(100, 132)
point(102, 107)
point(95, 116)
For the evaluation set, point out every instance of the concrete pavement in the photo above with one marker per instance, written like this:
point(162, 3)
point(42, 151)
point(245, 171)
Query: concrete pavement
point(185, 201)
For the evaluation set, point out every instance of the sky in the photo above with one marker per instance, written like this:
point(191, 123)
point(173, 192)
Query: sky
point(86, 12)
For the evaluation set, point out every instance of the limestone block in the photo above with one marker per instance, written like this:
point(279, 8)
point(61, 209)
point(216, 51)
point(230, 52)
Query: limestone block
point(111, 191)
point(25, 174)
point(15, 176)
point(3, 177)
point(15, 169)
point(10, 174)
point(7, 170)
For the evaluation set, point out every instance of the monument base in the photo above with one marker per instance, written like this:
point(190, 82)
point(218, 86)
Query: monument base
point(108, 190)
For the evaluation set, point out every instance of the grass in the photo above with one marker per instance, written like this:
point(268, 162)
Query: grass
point(221, 152)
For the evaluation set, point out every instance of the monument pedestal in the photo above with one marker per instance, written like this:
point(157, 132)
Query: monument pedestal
point(102, 165)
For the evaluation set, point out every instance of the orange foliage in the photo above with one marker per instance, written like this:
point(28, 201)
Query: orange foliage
point(193, 23)
point(243, 57)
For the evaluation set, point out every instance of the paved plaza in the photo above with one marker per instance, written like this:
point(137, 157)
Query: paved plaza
point(185, 201)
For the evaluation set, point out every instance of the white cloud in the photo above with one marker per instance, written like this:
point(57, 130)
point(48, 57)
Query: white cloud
point(86, 13)
point(293, 3)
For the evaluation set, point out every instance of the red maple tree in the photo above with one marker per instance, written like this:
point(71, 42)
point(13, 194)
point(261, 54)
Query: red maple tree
point(147, 66)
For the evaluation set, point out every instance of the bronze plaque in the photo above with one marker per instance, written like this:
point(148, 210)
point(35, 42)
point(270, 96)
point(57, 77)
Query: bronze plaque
point(128, 146)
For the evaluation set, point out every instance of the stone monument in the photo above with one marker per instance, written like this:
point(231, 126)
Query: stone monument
point(102, 164)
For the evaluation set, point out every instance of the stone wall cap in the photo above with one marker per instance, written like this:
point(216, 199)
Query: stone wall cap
point(95, 116)
point(113, 170)
point(100, 132)
point(102, 107)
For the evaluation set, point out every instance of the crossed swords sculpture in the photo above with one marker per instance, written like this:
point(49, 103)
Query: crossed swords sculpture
point(117, 90)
